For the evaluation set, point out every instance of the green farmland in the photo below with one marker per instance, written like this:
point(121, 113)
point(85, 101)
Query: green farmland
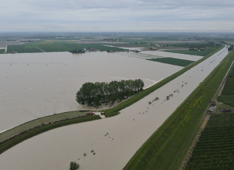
point(2, 51)
point(51, 46)
point(215, 148)
point(227, 96)
point(24, 48)
point(226, 99)
point(164, 150)
point(229, 87)
point(173, 61)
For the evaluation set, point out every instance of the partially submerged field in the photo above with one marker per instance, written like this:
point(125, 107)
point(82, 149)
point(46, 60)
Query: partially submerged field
point(173, 55)
point(173, 61)
point(115, 139)
point(163, 57)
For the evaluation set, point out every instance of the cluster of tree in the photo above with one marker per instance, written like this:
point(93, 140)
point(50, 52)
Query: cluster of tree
point(93, 94)
point(230, 48)
point(77, 51)
point(74, 166)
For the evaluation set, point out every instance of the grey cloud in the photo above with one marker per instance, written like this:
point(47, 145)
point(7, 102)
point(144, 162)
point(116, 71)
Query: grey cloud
point(115, 15)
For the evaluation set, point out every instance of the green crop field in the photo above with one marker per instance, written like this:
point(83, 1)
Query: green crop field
point(173, 61)
point(215, 148)
point(232, 72)
point(164, 149)
point(227, 96)
point(50, 46)
point(2, 51)
point(24, 48)
point(229, 87)
point(226, 99)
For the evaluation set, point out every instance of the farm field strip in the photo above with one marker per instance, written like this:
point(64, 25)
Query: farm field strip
point(227, 96)
point(2, 51)
point(215, 147)
point(111, 137)
point(173, 61)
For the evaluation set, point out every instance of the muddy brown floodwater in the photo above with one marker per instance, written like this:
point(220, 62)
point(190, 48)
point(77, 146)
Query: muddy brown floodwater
point(113, 140)
point(41, 84)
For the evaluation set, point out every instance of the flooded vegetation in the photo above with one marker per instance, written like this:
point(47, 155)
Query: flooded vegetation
point(93, 94)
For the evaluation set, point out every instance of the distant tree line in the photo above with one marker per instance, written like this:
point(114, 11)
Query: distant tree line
point(77, 51)
point(93, 94)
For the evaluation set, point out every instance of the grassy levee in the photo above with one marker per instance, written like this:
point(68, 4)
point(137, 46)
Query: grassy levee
point(164, 148)
point(42, 129)
point(115, 110)
point(37, 122)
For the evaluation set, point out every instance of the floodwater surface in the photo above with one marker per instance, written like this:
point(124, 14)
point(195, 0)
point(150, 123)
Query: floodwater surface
point(113, 140)
point(34, 85)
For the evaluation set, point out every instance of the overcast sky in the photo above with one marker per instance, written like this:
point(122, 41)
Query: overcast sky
point(117, 15)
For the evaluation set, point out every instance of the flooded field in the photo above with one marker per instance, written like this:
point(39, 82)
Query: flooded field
point(172, 55)
point(41, 84)
point(113, 140)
